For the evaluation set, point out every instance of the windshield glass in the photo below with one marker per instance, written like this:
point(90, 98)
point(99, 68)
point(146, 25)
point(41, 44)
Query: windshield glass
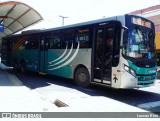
point(140, 43)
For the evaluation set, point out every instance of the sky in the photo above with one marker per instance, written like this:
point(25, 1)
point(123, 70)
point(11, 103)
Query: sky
point(82, 10)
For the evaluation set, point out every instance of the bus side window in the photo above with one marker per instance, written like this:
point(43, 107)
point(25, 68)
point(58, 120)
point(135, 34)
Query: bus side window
point(55, 42)
point(44, 43)
point(26, 44)
point(83, 39)
point(68, 37)
point(32, 43)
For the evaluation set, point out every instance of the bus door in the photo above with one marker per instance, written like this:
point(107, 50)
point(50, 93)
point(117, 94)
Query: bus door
point(103, 51)
point(43, 50)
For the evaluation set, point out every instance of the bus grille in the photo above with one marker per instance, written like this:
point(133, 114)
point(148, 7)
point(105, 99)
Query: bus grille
point(143, 65)
point(146, 80)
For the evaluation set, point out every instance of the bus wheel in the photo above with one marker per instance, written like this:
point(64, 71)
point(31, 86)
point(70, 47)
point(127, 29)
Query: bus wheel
point(23, 67)
point(82, 77)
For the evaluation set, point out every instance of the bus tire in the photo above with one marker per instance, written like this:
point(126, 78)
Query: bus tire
point(82, 77)
point(23, 67)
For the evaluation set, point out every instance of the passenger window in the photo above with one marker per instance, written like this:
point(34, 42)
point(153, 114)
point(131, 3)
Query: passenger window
point(31, 43)
point(55, 42)
point(68, 38)
point(26, 44)
point(83, 39)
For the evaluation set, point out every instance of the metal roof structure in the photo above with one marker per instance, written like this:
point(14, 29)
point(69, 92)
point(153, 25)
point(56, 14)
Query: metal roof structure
point(16, 16)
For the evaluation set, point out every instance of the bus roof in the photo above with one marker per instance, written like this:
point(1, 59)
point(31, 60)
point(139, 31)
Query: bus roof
point(73, 25)
point(84, 23)
point(116, 18)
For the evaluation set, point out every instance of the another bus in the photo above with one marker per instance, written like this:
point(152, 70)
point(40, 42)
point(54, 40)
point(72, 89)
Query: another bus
point(118, 52)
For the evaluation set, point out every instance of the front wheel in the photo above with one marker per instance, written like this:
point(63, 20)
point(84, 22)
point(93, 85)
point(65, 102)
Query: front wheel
point(82, 77)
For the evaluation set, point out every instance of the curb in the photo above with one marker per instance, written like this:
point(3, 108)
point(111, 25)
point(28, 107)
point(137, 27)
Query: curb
point(12, 78)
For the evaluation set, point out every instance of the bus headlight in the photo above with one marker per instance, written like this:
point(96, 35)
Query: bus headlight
point(126, 68)
point(131, 71)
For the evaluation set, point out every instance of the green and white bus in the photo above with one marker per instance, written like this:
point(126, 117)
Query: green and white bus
point(118, 52)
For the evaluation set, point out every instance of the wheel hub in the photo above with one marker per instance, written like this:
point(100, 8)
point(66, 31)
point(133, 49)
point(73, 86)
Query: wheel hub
point(82, 77)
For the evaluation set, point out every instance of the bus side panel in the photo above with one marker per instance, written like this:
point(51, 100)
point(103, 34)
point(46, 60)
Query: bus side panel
point(31, 58)
point(63, 65)
point(21, 54)
point(116, 76)
point(55, 62)
point(127, 80)
point(83, 58)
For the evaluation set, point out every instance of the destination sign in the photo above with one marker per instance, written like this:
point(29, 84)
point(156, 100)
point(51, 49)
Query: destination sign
point(141, 22)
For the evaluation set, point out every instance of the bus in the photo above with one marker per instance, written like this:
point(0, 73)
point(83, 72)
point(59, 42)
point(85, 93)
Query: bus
point(118, 52)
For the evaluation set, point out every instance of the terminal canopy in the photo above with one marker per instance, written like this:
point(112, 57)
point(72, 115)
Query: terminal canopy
point(16, 16)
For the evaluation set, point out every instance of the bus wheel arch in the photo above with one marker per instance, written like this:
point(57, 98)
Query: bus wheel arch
point(81, 76)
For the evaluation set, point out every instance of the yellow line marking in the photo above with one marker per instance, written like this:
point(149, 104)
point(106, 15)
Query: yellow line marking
point(42, 73)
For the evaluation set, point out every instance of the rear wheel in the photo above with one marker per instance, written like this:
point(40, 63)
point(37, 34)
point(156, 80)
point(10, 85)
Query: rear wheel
point(82, 77)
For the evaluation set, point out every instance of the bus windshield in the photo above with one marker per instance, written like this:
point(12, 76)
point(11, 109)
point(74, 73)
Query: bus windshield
point(140, 43)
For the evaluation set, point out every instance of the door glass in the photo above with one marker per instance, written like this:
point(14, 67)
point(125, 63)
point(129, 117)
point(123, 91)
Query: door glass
point(103, 53)
point(98, 54)
point(99, 48)
point(108, 52)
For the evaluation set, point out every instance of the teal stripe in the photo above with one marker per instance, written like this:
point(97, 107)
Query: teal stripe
point(139, 70)
point(64, 71)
